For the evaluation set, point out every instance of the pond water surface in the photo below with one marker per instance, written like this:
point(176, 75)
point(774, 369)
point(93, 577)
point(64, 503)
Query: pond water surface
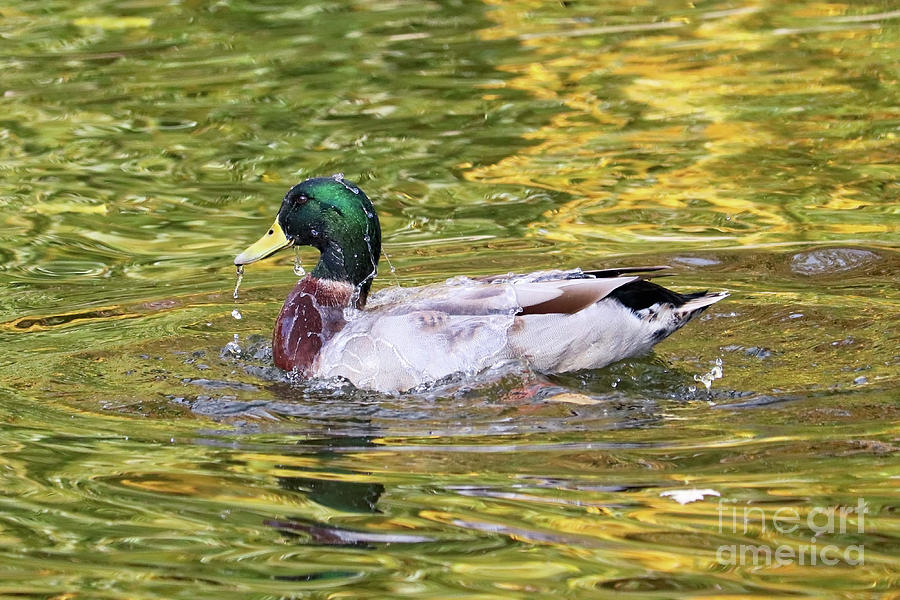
point(149, 450)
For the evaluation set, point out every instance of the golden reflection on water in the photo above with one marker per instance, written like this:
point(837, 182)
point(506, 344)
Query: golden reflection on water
point(717, 113)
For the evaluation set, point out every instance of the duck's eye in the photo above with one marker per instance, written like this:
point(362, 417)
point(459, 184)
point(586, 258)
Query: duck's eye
point(271, 231)
point(296, 197)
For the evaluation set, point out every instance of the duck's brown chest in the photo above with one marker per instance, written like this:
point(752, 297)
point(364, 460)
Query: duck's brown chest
point(313, 312)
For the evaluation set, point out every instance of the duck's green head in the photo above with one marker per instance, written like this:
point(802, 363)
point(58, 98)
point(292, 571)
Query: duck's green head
point(333, 215)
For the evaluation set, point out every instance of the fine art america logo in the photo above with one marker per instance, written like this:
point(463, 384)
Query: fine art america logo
point(789, 521)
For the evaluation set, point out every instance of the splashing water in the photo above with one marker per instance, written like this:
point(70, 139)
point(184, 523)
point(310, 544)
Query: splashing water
point(339, 177)
point(240, 278)
point(714, 373)
point(391, 265)
point(299, 271)
point(232, 348)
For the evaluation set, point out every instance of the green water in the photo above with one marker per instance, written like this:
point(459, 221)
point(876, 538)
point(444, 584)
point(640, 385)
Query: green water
point(753, 146)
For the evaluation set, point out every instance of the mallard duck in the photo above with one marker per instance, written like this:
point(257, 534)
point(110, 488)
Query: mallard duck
point(550, 321)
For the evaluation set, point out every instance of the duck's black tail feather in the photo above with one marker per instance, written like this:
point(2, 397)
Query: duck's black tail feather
point(669, 310)
point(655, 300)
point(642, 294)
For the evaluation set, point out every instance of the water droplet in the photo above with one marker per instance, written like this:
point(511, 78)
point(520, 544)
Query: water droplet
point(240, 278)
point(391, 265)
point(339, 177)
point(232, 348)
point(299, 271)
point(714, 373)
point(237, 314)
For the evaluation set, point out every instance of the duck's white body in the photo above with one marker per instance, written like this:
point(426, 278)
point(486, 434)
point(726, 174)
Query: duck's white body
point(550, 322)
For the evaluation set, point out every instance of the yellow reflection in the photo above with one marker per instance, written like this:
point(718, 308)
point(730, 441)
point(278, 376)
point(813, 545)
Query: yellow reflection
point(698, 131)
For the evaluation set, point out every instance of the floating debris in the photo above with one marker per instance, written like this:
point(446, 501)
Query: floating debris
point(240, 278)
point(687, 496)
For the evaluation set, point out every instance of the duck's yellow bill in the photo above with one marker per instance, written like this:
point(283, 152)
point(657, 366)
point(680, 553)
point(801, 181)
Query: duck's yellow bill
point(270, 243)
